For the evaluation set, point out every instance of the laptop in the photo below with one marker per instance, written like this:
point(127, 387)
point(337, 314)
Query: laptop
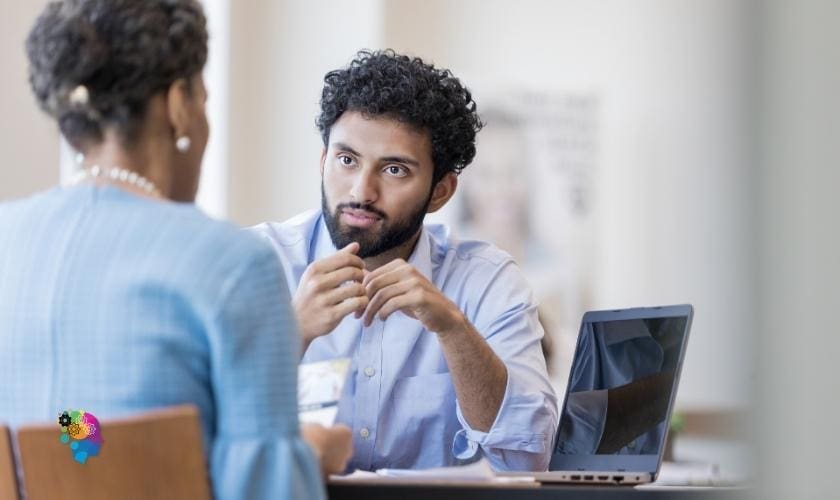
point(619, 397)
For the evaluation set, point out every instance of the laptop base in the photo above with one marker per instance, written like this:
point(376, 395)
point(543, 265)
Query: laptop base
point(585, 477)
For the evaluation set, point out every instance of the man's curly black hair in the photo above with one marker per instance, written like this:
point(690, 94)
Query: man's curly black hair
point(412, 91)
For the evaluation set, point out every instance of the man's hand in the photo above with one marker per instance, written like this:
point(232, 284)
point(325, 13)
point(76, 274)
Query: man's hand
point(479, 376)
point(332, 445)
point(329, 290)
point(399, 286)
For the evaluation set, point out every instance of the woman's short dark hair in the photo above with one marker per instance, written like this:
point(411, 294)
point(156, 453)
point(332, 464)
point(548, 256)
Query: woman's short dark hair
point(411, 91)
point(122, 51)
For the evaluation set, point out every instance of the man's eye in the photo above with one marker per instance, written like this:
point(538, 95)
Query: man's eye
point(396, 171)
point(345, 160)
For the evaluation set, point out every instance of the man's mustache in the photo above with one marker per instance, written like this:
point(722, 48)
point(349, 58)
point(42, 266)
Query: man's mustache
point(361, 206)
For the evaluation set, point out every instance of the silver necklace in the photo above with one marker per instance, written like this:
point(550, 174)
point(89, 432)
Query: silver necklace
point(117, 174)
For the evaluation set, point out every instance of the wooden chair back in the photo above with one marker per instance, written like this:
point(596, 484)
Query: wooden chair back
point(8, 476)
point(154, 455)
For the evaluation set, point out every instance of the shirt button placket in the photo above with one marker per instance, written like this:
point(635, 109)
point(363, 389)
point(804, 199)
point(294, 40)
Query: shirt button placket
point(367, 391)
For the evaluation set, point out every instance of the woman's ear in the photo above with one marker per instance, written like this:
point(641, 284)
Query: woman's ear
point(178, 106)
point(443, 192)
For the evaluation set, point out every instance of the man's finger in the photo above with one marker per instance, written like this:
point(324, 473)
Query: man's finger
point(396, 304)
point(345, 259)
point(337, 261)
point(373, 285)
point(387, 268)
point(351, 305)
point(383, 296)
point(335, 278)
point(352, 247)
point(343, 293)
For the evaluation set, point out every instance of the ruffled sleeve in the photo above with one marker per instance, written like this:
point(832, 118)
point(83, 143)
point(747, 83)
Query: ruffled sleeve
point(270, 466)
point(257, 451)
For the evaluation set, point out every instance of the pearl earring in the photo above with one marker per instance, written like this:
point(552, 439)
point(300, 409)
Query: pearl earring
point(183, 144)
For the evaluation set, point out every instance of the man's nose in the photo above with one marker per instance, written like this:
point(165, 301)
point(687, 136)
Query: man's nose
point(365, 189)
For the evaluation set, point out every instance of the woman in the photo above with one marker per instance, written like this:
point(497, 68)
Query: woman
point(117, 294)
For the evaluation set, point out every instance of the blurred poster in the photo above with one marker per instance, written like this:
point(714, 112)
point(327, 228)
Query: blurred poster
point(530, 191)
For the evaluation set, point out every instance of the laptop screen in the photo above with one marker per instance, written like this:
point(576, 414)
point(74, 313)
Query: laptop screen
point(621, 387)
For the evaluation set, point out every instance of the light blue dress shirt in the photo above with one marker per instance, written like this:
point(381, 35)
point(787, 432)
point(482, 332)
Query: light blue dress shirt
point(115, 304)
point(399, 399)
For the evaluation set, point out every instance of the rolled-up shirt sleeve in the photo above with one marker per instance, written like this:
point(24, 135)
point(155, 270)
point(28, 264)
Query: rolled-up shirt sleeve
point(522, 434)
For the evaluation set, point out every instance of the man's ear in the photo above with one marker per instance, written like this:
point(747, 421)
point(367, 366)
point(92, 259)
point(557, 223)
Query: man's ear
point(323, 160)
point(443, 192)
point(177, 106)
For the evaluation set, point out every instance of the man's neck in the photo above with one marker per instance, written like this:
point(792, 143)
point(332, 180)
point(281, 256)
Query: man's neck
point(401, 252)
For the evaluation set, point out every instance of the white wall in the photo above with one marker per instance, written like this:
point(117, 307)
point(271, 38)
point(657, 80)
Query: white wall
point(280, 52)
point(28, 138)
point(673, 185)
point(212, 194)
point(799, 342)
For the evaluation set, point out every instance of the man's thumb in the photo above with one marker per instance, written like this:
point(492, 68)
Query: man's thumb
point(352, 247)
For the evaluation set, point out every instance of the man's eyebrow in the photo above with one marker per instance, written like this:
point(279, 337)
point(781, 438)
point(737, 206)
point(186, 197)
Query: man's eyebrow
point(386, 159)
point(400, 159)
point(345, 147)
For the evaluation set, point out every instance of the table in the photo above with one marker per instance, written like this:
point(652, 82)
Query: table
point(345, 490)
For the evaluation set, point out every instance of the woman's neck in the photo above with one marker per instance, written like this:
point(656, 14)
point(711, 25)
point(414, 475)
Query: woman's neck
point(111, 154)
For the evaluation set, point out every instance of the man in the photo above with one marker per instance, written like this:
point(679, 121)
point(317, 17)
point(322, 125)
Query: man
point(443, 334)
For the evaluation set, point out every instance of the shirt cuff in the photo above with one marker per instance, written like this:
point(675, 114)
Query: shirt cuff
point(517, 411)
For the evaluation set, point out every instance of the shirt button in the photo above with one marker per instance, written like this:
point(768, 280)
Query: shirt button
point(369, 371)
point(364, 432)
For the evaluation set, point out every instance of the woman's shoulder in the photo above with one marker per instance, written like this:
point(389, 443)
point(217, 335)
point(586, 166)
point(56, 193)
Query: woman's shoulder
point(21, 203)
point(202, 257)
point(180, 238)
point(206, 239)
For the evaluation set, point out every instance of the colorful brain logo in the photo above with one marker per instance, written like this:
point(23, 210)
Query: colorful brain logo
point(80, 430)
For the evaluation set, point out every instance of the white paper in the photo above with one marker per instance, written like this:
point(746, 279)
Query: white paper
point(479, 471)
point(319, 389)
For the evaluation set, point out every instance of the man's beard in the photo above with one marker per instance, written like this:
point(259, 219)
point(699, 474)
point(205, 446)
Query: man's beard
point(372, 243)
